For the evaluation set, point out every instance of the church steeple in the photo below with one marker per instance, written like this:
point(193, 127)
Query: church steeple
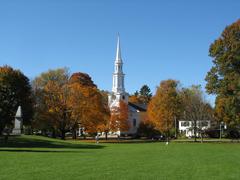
point(118, 76)
point(118, 90)
point(118, 53)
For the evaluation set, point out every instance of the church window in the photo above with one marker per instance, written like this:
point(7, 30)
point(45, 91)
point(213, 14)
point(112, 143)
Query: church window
point(123, 97)
point(134, 122)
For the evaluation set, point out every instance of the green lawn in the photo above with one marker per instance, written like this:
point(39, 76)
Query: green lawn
point(33, 157)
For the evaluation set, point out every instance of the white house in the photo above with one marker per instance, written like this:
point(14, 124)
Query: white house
point(186, 127)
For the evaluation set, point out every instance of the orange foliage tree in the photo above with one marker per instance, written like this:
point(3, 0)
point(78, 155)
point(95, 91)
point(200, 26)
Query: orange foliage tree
point(134, 99)
point(164, 106)
point(119, 117)
point(56, 97)
point(88, 108)
point(68, 103)
point(48, 93)
point(104, 126)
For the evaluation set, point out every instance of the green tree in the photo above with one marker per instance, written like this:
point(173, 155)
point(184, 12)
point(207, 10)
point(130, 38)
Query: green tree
point(145, 94)
point(223, 79)
point(15, 90)
point(141, 97)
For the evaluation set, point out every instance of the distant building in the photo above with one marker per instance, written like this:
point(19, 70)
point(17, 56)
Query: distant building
point(187, 127)
point(118, 93)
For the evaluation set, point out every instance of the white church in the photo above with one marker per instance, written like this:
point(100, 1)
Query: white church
point(118, 93)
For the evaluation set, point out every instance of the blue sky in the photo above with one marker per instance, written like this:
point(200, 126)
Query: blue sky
point(160, 39)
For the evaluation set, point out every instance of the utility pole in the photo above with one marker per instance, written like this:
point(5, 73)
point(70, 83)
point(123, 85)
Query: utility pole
point(175, 126)
point(221, 129)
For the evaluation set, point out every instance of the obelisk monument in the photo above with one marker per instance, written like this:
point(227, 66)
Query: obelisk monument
point(17, 130)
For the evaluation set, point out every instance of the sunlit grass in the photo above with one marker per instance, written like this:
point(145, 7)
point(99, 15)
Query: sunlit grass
point(34, 157)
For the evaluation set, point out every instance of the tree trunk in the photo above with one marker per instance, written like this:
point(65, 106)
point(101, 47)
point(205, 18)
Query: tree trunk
point(1, 129)
point(6, 138)
point(74, 134)
point(195, 131)
point(167, 136)
point(44, 133)
point(53, 133)
point(106, 136)
point(63, 134)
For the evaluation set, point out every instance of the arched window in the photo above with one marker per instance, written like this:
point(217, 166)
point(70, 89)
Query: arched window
point(123, 97)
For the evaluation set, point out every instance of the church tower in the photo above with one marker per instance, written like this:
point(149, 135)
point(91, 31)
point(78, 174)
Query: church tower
point(118, 89)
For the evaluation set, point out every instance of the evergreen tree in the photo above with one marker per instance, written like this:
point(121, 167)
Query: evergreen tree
point(145, 94)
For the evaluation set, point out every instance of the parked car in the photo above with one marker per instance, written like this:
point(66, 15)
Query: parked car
point(158, 137)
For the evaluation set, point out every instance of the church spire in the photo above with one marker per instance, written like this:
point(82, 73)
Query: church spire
point(118, 90)
point(118, 53)
point(118, 76)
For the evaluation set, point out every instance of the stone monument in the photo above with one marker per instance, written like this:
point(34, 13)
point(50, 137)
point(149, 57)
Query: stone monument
point(17, 130)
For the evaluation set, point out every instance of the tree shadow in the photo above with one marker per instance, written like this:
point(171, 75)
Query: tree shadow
point(37, 150)
point(43, 142)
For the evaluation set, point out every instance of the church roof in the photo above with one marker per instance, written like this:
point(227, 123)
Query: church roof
point(140, 107)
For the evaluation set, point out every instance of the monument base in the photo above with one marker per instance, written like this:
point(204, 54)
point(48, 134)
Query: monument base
point(16, 131)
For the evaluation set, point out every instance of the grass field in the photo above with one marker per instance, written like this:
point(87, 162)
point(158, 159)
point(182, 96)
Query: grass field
point(34, 157)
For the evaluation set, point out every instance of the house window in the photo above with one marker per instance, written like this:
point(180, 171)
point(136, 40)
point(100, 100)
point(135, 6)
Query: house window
point(204, 123)
point(185, 124)
point(134, 122)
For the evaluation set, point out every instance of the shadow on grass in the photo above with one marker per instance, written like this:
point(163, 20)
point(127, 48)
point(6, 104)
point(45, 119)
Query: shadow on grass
point(36, 150)
point(42, 142)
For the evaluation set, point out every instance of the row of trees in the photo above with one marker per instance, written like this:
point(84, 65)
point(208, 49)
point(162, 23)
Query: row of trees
point(223, 81)
point(56, 103)
point(171, 103)
point(66, 103)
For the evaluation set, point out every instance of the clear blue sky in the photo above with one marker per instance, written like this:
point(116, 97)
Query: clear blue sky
point(160, 39)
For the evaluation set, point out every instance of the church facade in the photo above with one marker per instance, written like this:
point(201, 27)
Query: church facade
point(119, 94)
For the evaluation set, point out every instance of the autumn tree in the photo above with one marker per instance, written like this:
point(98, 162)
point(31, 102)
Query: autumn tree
point(51, 93)
point(89, 105)
point(224, 77)
point(119, 117)
point(82, 79)
point(15, 90)
point(146, 127)
point(165, 106)
point(91, 109)
point(195, 108)
point(64, 103)
point(134, 99)
point(56, 98)
point(105, 125)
